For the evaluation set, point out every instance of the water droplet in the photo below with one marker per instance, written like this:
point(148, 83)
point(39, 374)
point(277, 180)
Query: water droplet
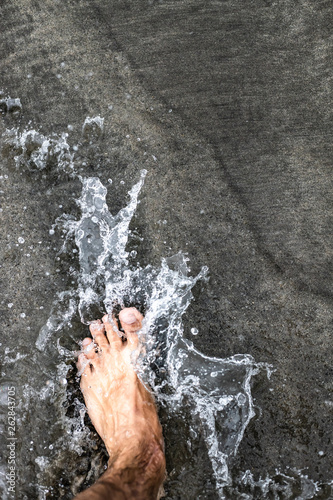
point(241, 399)
point(194, 331)
point(21, 240)
point(10, 305)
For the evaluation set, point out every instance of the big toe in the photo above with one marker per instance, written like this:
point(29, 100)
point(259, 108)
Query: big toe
point(131, 322)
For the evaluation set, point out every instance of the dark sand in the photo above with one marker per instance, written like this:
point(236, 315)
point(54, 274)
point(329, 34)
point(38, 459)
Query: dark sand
point(234, 99)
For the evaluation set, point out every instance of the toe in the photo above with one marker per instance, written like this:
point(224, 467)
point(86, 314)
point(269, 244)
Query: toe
point(89, 348)
point(97, 331)
point(130, 319)
point(112, 332)
point(131, 322)
point(83, 365)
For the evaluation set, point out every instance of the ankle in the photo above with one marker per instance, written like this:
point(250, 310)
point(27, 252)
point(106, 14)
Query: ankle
point(140, 478)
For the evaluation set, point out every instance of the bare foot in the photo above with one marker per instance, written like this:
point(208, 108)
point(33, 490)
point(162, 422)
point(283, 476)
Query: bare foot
point(122, 411)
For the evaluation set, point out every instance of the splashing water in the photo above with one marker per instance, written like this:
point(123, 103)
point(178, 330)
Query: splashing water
point(205, 403)
point(36, 151)
point(214, 393)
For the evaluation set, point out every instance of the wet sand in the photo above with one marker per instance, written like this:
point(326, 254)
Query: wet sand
point(228, 108)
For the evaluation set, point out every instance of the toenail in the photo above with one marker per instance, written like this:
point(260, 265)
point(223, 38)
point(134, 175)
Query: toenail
point(86, 342)
point(129, 318)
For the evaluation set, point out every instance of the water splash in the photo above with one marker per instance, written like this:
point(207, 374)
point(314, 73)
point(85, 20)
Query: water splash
point(216, 392)
point(202, 399)
point(92, 128)
point(36, 151)
point(291, 484)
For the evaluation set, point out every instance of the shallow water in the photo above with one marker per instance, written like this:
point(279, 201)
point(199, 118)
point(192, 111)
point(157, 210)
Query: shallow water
point(205, 403)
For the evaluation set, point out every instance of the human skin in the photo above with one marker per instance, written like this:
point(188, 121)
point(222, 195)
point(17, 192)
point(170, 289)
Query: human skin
point(122, 411)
